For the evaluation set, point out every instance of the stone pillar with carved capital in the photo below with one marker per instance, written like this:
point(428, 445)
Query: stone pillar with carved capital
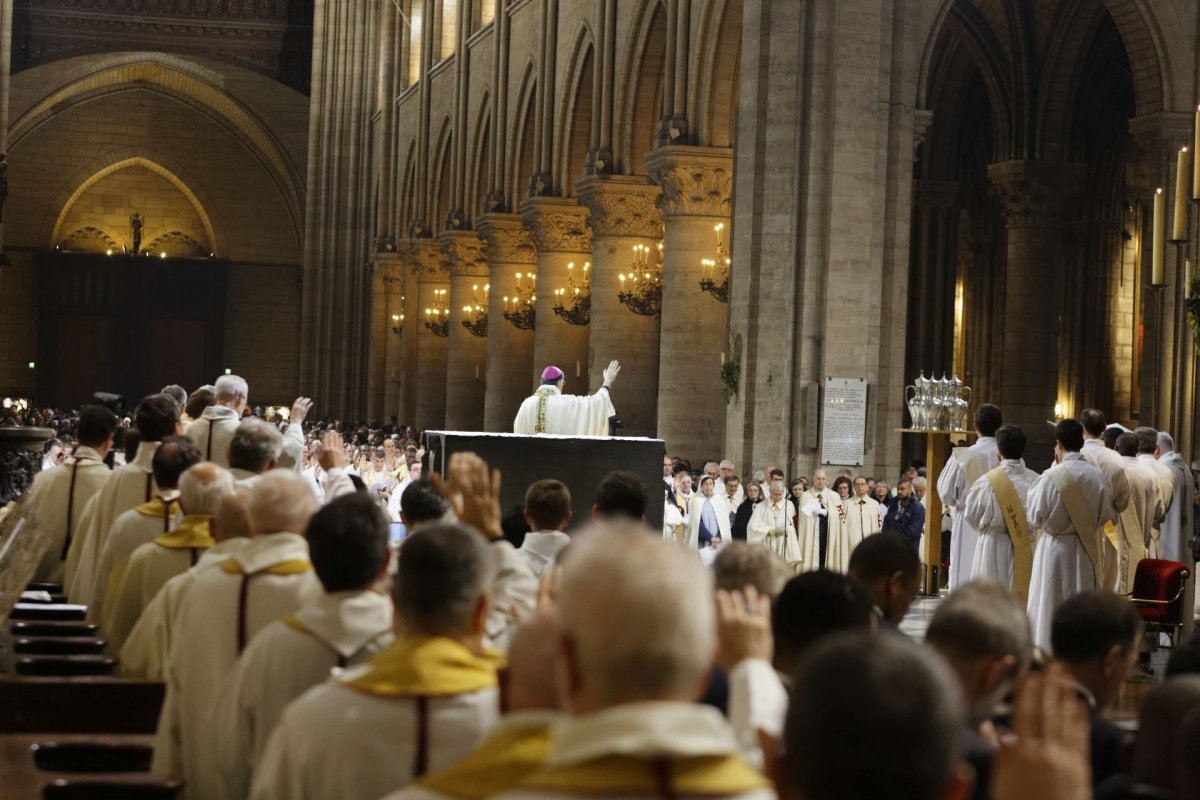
point(561, 236)
point(429, 372)
point(1035, 195)
point(623, 212)
point(387, 289)
point(697, 189)
point(509, 349)
point(466, 360)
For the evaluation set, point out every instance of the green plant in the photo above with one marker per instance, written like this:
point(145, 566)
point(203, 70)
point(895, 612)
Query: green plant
point(730, 371)
point(1192, 304)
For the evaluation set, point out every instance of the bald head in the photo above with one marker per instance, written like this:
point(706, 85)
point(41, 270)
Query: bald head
point(1164, 710)
point(279, 502)
point(616, 574)
point(202, 487)
point(531, 660)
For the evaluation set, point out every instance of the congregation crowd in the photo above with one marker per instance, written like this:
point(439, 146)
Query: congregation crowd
point(751, 648)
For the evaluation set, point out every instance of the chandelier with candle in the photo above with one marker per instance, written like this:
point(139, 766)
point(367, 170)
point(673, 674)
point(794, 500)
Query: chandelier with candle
point(641, 287)
point(398, 324)
point(574, 303)
point(437, 316)
point(521, 308)
point(476, 312)
point(715, 278)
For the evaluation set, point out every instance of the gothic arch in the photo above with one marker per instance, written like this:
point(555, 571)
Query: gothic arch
point(520, 167)
point(118, 160)
point(439, 195)
point(714, 83)
point(477, 185)
point(190, 84)
point(574, 123)
point(640, 87)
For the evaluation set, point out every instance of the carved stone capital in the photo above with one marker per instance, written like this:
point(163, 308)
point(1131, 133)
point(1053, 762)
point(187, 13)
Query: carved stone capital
point(1160, 135)
point(559, 225)
point(922, 122)
point(695, 181)
point(621, 205)
point(425, 258)
point(1036, 193)
point(508, 240)
point(390, 269)
point(466, 253)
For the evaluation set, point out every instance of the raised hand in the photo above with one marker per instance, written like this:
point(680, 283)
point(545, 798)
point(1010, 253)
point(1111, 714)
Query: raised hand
point(743, 627)
point(300, 410)
point(473, 492)
point(611, 371)
point(332, 453)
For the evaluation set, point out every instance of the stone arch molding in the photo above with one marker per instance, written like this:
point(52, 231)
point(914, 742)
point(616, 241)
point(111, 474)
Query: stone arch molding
point(116, 161)
point(203, 90)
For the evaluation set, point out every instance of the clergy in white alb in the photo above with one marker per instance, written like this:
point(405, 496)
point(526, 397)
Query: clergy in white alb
point(216, 425)
point(266, 580)
point(58, 496)
point(864, 515)
point(1175, 543)
point(255, 447)
point(131, 484)
point(201, 489)
point(1069, 503)
point(148, 646)
point(418, 706)
point(997, 506)
point(348, 625)
point(548, 410)
point(771, 526)
point(411, 472)
point(548, 513)
point(635, 732)
point(141, 524)
point(1136, 523)
point(1164, 480)
point(821, 526)
point(967, 465)
point(1113, 469)
point(519, 742)
point(678, 505)
point(709, 516)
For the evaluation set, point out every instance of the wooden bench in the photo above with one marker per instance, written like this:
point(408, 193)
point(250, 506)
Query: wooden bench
point(52, 628)
point(58, 645)
point(65, 665)
point(73, 767)
point(79, 705)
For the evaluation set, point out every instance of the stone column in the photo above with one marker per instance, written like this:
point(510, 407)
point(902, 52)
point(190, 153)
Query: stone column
point(561, 236)
point(1034, 194)
point(6, 8)
point(387, 279)
point(697, 189)
point(405, 366)
point(509, 349)
point(395, 315)
point(466, 361)
point(431, 350)
point(623, 212)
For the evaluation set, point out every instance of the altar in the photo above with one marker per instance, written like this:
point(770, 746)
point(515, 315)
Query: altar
point(580, 462)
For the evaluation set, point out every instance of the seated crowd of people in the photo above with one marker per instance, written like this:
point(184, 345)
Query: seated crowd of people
point(306, 655)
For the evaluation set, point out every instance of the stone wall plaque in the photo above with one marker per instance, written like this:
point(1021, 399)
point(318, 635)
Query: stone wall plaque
point(844, 421)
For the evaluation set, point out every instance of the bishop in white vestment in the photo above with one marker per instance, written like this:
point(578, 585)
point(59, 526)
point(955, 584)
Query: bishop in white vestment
point(967, 465)
point(550, 411)
point(1069, 503)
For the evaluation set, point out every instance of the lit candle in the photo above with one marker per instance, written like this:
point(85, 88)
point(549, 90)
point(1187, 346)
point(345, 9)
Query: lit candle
point(1160, 226)
point(577, 373)
point(1196, 163)
point(1179, 232)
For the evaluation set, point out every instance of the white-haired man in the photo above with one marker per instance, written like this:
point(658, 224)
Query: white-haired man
point(269, 578)
point(821, 526)
point(216, 425)
point(1175, 542)
point(418, 706)
point(635, 731)
point(772, 526)
point(201, 490)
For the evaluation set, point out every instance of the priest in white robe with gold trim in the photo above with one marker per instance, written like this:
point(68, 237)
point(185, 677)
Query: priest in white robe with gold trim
point(864, 515)
point(347, 626)
point(967, 465)
point(550, 411)
point(984, 511)
point(1136, 523)
point(58, 496)
point(771, 526)
point(130, 485)
point(418, 706)
point(1164, 481)
point(821, 526)
point(266, 580)
point(215, 427)
point(635, 732)
point(1069, 503)
point(201, 489)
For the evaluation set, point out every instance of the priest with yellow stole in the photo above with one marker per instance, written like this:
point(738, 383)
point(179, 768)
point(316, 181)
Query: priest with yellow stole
point(550, 411)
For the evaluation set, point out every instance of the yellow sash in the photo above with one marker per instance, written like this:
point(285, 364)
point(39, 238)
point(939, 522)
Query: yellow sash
point(1018, 530)
point(501, 763)
point(621, 774)
point(1089, 535)
point(191, 532)
point(427, 666)
point(296, 567)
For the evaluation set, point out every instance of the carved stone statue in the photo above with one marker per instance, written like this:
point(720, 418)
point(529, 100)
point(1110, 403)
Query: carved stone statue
point(135, 222)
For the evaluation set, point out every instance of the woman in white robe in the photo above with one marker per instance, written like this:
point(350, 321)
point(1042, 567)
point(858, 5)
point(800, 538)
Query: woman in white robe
point(710, 511)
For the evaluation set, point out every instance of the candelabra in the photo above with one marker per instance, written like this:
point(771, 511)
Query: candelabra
point(521, 308)
point(437, 317)
point(398, 324)
point(717, 267)
point(644, 295)
point(476, 312)
point(574, 303)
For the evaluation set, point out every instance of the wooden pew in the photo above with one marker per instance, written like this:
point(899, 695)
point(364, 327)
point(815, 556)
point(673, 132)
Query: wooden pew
point(79, 705)
point(74, 775)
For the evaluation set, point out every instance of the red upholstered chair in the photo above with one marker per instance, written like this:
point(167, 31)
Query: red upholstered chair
point(1157, 595)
